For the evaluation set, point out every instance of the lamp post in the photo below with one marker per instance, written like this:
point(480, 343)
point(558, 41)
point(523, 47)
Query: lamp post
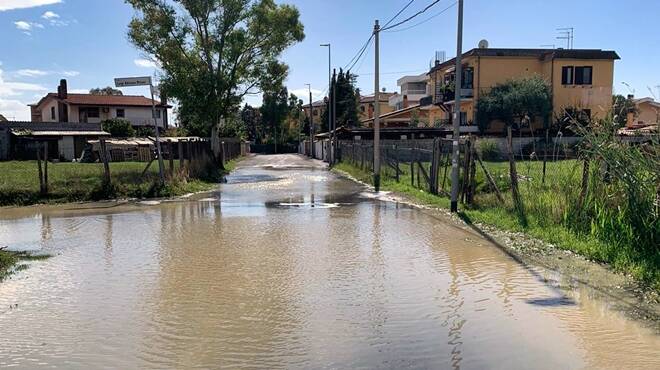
point(330, 111)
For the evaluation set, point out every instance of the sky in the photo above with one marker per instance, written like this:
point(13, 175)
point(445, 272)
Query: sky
point(84, 41)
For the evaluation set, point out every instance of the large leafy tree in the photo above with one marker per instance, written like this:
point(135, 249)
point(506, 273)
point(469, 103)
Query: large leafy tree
point(621, 107)
point(516, 103)
point(214, 52)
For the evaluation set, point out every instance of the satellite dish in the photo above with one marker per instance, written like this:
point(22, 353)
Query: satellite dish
point(483, 44)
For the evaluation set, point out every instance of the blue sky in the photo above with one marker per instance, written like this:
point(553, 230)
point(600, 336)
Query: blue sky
point(85, 41)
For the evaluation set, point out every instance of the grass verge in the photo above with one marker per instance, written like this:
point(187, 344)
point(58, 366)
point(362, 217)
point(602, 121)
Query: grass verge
point(540, 224)
point(74, 182)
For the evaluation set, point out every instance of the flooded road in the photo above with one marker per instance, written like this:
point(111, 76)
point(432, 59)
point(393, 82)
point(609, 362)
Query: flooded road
point(290, 266)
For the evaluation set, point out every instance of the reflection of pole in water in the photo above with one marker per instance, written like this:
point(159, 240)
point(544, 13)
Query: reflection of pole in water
point(454, 319)
point(107, 252)
point(46, 229)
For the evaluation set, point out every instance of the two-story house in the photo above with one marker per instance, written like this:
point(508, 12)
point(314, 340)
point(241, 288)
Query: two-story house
point(579, 79)
point(87, 108)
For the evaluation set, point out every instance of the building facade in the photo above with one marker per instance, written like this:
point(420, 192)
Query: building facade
point(579, 79)
point(88, 108)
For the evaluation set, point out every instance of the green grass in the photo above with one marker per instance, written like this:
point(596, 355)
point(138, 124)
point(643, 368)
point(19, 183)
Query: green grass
point(71, 182)
point(546, 207)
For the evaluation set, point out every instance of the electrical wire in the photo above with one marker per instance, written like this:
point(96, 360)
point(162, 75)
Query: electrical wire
point(399, 13)
point(424, 21)
point(359, 55)
point(412, 16)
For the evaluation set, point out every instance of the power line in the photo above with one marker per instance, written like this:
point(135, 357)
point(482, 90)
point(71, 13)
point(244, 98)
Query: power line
point(358, 54)
point(395, 72)
point(399, 13)
point(426, 20)
point(362, 61)
point(412, 16)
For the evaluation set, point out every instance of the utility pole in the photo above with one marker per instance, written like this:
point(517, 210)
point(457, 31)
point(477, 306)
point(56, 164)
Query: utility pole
point(311, 123)
point(333, 140)
point(457, 111)
point(376, 108)
point(330, 113)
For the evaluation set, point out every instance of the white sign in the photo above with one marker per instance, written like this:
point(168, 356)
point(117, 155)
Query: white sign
point(132, 81)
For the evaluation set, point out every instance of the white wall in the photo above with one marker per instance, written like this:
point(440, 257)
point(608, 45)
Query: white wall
point(67, 148)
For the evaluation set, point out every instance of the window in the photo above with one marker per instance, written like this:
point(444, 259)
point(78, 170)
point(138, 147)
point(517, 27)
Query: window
point(567, 75)
point(362, 108)
point(121, 113)
point(157, 114)
point(468, 78)
point(90, 112)
point(52, 113)
point(316, 112)
point(583, 75)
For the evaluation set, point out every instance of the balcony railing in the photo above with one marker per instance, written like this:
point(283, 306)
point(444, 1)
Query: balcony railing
point(445, 94)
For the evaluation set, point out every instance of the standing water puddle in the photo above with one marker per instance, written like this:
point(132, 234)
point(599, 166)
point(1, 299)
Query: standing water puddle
point(254, 276)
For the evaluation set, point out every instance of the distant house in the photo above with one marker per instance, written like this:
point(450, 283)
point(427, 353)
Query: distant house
point(412, 90)
point(367, 105)
point(87, 108)
point(579, 79)
point(649, 113)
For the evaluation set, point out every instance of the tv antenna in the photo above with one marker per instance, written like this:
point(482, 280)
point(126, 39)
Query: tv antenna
point(566, 33)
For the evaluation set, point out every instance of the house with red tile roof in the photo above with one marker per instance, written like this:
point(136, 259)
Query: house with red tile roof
point(63, 106)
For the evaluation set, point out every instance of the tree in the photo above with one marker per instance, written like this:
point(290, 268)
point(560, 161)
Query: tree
point(251, 118)
point(347, 100)
point(105, 91)
point(118, 127)
point(145, 131)
point(274, 110)
point(515, 102)
point(215, 52)
point(621, 107)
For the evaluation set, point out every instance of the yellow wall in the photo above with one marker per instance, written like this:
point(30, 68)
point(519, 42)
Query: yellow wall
point(647, 113)
point(384, 108)
point(490, 71)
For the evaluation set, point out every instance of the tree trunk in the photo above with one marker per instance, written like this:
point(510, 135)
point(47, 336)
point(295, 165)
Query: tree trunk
point(512, 171)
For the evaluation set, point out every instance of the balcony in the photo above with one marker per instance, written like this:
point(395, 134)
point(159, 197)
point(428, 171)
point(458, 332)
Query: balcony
point(444, 94)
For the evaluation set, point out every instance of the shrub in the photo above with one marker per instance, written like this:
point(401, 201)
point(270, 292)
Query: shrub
point(145, 131)
point(488, 150)
point(118, 127)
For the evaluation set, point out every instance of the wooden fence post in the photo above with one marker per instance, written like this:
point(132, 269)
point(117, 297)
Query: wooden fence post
point(104, 158)
point(46, 167)
point(171, 156)
point(42, 189)
point(490, 179)
point(179, 147)
point(412, 166)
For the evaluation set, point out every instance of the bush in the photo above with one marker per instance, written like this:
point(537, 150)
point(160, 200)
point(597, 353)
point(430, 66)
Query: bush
point(145, 131)
point(118, 127)
point(488, 150)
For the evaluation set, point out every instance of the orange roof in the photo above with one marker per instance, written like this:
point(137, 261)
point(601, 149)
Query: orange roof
point(118, 100)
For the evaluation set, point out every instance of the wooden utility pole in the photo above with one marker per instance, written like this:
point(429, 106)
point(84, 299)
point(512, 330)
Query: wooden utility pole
point(376, 108)
point(457, 111)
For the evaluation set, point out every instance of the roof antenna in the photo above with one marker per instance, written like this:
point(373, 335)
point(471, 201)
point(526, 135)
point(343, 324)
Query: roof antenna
point(566, 33)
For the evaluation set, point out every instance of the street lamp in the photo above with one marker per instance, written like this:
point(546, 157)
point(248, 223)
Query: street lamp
point(330, 112)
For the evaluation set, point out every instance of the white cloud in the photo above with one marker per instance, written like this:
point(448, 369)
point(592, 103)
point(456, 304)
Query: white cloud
point(70, 73)
point(303, 94)
point(14, 110)
point(32, 72)
point(26, 27)
point(145, 63)
point(23, 4)
point(23, 25)
point(10, 105)
point(50, 15)
point(78, 91)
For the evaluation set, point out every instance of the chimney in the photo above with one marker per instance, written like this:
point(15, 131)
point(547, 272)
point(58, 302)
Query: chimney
point(62, 91)
point(405, 101)
point(62, 108)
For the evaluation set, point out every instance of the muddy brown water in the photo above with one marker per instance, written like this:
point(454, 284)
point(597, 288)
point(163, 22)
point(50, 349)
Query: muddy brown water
point(290, 266)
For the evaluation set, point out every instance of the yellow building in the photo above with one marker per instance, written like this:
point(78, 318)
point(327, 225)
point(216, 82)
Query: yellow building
point(648, 113)
point(580, 79)
point(367, 107)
